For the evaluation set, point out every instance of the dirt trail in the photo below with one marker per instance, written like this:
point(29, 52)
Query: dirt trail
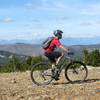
point(18, 86)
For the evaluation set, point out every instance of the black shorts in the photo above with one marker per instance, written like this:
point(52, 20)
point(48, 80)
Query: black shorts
point(52, 56)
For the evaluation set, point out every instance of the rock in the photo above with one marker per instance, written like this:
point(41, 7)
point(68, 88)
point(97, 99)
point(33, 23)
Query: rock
point(21, 97)
point(13, 81)
point(28, 71)
point(95, 91)
point(30, 98)
point(47, 98)
point(37, 98)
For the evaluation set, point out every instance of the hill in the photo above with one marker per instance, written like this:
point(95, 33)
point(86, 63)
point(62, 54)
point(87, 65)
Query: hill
point(21, 50)
point(35, 50)
point(5, 56)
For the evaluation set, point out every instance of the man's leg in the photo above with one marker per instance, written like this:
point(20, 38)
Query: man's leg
point(53, 65)
point(59, 58)
point(51, 58)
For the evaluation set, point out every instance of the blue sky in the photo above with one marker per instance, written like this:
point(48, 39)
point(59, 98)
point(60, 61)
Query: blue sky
point(31, 19)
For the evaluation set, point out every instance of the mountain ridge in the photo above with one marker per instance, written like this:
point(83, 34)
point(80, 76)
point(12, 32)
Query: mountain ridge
point(35, 50)
point(23, 50)
point(65, 41)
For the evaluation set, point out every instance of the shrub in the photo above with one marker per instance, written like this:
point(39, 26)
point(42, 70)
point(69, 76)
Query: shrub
point(92, 58)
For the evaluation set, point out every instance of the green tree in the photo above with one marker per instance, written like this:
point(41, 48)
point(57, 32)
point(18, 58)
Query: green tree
point(25, 66)
point(95, 58)
point(37, 59)
point(28, 60)
point(13, 64)
point(92, 58)
point(0, 68)
point(86, 56)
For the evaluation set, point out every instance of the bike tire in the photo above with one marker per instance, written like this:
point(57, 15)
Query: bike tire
point(69, 67)
point(33, 77)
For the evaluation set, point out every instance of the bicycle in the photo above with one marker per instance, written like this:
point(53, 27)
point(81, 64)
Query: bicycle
point(41, 73)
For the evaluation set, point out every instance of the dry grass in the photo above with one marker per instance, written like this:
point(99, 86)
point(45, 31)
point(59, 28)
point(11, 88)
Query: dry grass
point(18, 86)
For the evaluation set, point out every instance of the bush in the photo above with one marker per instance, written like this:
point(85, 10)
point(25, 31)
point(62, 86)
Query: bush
point(37, 59)
point(92, 58)
point(16, 65)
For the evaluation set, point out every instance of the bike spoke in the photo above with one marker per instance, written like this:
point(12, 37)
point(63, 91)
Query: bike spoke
point(76, 71)
point(41, 74)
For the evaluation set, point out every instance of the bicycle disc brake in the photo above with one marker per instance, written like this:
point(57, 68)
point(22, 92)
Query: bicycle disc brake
point(42, 74)
point(75, 71)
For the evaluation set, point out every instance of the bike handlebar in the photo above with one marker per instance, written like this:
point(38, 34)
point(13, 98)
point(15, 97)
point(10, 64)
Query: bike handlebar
point(70, 53)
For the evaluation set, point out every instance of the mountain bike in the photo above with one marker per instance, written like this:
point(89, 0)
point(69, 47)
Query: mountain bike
point(41, 73)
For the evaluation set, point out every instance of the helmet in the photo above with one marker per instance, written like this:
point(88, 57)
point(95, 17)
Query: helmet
point(58, 33)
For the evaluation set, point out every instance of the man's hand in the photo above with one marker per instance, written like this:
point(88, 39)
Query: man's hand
point(66, 50)
point(70, 53)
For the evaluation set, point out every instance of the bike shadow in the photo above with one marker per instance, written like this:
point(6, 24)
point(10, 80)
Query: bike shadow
point(76, 82)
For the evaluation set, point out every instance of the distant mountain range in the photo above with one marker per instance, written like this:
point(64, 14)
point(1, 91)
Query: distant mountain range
point(34, 50)
point(5, 56)
point(81, 41)
point(65, 41)
point(23, 50)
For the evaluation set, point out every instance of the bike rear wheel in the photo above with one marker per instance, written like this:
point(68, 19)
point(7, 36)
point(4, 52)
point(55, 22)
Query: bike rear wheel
point(41, 74)
point(76, 71)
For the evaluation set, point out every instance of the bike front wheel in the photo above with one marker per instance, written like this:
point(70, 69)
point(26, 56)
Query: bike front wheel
point(76, 71)
point(41, 74)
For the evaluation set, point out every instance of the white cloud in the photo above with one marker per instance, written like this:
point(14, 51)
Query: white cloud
point(24, 25)
point(31, 6)
point(36, 7)
point(93, 10)
point(60, 5)
point(85, 24)
point(26, 34)
point(47, 6)
point(98, 22)
point(34, 20)
point(95, 6)
point(44, 1)
point(6, 19)
point(64, 17)
point(39, 27)
point(31, 35)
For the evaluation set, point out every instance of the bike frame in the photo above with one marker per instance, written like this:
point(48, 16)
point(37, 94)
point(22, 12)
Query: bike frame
point(66, 58)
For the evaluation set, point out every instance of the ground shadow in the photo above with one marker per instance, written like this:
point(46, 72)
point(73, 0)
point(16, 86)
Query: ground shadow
point(76, 82)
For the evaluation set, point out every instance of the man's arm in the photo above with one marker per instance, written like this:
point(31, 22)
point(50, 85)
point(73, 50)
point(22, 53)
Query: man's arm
point(65, 49)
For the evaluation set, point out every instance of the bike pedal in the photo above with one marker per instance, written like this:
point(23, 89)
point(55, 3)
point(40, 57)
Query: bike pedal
point(57, 78)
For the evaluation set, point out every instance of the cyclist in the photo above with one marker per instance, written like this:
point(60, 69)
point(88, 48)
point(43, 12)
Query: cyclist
point(51, 53)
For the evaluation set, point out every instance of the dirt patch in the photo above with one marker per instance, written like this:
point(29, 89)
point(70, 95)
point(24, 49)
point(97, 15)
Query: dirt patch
point(18, 86)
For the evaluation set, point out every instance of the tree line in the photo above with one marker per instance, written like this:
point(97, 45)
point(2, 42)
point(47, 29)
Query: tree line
point(15, 64)
point(92, 57)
